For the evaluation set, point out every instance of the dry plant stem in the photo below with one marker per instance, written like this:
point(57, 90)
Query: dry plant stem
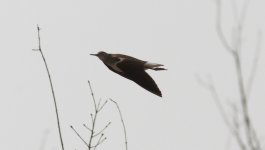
point(93, 134)
point(123, 124)
point(52, 89)
point(219, 27)
point(253, 142)
point(101, 131)
point(93, 119)
point(79, 136)
point(232, 127)
point(254, 64)
point(235, 50)
point(244, 102)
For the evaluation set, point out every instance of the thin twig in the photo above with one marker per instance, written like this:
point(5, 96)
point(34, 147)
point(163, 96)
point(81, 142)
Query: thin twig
point(219, 27)
point(93, 96)
point(101, 131)
point(99, 102)
point(100, 141)
point(236, 53)
point(123, 124)
point(244, 101)
point(103, 105)
point(212, 88)
point(52, 89)
point(93, 116)
point(79, 136)
point(87, 127)
point(92, 130)
point(254, 64)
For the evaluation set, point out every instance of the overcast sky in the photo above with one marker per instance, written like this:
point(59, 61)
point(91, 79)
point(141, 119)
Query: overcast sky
point(177, 33)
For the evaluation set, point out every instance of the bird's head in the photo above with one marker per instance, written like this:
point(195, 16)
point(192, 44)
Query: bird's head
point(101, 55)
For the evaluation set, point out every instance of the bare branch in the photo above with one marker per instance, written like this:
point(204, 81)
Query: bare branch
point(87, 127)
point(79, 136)
point(102, 130)
point(123, 124)
point(237, 126)
point(243, 91)
point(254, 64)
point(93, 97)
point(219, 30)
point(101, 107)
point(100, 141)
point(94, 116)
point(212, 88)
point(51, 85)
point(99, 102)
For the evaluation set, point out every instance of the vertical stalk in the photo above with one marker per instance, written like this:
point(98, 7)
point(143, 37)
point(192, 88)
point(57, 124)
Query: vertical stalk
point(52, 89)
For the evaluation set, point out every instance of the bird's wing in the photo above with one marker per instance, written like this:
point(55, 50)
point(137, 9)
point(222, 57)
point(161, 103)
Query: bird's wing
point(133, 70)
point(127, 57)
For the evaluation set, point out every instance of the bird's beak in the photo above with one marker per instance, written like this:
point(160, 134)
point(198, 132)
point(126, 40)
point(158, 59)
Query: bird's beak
point(94, 54)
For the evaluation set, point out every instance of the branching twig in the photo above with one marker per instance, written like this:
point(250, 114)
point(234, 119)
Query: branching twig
point(93, 134)
point(123, 124)
point(102, 130)
point(233, 129)
point(254, 64)
point(251, 141)
point(93, 118)
point(100, 141)
point(219, 27)
point(51, 84)
point(79, 136)
point(87, 127)
point(209, 85)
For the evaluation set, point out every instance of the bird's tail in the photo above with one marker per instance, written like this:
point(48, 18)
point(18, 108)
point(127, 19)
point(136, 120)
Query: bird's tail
point(153, 66)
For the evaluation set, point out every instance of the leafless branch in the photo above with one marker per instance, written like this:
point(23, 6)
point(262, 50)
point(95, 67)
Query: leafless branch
point(51, 85)
point(123, 124)
point(254, 64)
point(101, 107)
point(87, 127)
point(100, 141)
point(233, 129)
point(102, 130)
point(219, 29)
point(93, 96)
point(244, 89)
point(79, 136)
point(93, 134)
point(209, 85)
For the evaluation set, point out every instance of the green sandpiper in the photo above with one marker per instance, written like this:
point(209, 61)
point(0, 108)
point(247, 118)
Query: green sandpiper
point(132, 69)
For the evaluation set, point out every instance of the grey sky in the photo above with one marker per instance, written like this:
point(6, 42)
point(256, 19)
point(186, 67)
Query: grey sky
point(179, 34)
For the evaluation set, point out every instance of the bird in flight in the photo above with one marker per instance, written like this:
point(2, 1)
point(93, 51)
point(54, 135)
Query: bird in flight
point(132, 69)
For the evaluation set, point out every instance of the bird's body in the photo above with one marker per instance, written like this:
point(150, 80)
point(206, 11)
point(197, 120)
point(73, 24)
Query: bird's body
point(132, 69)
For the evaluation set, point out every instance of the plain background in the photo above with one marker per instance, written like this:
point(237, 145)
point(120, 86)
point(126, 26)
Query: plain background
point(177, 33)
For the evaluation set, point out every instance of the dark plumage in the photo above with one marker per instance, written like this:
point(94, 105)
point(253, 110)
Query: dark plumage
point(132, 69)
